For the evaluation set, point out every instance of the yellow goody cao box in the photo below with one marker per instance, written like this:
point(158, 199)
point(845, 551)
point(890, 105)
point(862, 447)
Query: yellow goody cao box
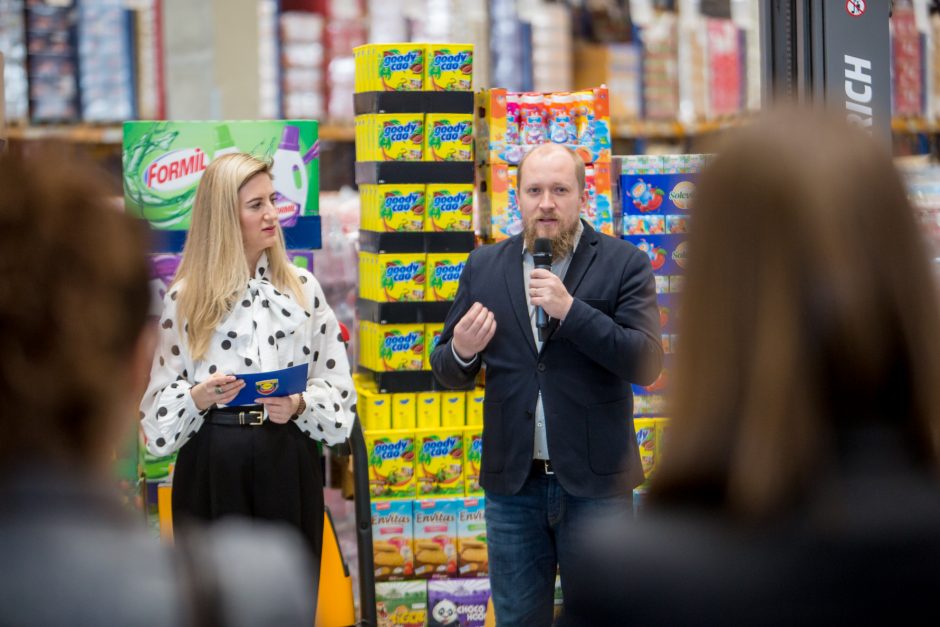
point(390, 137)
point(439, 469)
point(391, 347)
point(449, 207)
point(392, 277)
point(650, 437)
point(414, 67)
point(392, 208)
point(391, 463)
point(389, 67)
point(432, 333)
point(448, 137)
point(449, 67)
point(404, 410)
point(443, 271)
point(428, 410)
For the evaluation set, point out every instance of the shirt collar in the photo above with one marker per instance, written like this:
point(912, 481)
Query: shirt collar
point(261, 269)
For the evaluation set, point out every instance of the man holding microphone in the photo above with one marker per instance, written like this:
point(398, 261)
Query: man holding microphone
point(559, 447)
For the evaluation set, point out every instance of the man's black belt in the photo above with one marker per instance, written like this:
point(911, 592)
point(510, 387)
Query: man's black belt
point(542, 467)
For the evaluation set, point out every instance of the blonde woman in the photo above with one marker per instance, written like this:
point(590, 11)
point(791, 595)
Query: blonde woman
point(238, 305)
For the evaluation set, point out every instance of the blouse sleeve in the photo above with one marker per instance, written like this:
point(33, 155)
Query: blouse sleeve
point(330, 395)
point(168, 414)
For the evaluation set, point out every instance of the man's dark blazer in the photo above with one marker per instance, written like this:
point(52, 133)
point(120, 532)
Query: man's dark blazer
point(609, 339)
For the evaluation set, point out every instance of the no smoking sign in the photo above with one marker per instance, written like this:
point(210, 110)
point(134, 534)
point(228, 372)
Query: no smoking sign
point(855, 8)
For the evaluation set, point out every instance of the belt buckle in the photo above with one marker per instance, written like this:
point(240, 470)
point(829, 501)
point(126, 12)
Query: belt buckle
point(548, 467)
point(257, 415)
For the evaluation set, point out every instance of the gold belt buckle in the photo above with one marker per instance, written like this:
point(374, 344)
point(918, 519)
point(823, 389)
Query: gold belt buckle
point(256, 418)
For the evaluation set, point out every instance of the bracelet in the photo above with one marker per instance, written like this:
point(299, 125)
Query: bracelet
point(301, 407)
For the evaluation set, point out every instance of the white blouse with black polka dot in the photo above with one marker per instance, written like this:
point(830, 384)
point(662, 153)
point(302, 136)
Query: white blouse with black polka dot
point(266, 330)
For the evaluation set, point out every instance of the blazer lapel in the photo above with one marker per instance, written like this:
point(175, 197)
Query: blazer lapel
point(515, 283)
point(580, 262)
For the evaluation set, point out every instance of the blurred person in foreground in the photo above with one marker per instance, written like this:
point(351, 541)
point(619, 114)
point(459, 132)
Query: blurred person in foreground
point(799, 485)
point(75, 352)
point(559, 448)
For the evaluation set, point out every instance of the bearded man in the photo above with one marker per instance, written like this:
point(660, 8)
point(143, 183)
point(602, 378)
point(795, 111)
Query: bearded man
point(559, 449)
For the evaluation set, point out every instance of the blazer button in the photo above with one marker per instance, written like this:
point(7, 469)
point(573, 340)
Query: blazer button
point(541, 367)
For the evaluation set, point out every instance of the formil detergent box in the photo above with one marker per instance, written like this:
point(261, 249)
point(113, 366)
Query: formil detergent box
point(164, 161)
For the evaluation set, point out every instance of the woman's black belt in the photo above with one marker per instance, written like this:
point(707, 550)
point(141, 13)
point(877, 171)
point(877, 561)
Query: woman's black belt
point(244, 415)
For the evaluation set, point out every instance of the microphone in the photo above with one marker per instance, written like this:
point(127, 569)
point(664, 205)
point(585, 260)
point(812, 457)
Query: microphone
point(542, 255)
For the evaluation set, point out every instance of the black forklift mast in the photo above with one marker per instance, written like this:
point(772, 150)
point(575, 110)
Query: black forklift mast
point(834, 53)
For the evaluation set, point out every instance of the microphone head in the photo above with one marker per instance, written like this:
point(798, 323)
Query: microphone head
point(543, 246)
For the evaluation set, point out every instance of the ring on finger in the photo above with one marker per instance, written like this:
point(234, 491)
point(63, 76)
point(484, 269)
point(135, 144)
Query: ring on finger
point(218, 389)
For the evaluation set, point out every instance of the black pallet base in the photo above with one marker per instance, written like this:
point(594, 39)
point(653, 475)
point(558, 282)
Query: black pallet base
point(406, 381)
point(416, 242)
point(402, 313)
point(413, 102)
point(381, 172)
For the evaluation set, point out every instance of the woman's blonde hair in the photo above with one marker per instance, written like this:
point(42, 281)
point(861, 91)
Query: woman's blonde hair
point(809, 311)
point(214, 269)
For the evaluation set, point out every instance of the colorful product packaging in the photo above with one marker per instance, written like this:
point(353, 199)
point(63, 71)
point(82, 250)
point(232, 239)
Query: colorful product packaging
point(432, 333)
point(393, 539)
point(458, 602)
point(646, 442)
point(472, 558)
point(392, 208)
point(392, 277)
point(448, 137)
point(439, 469)
point(164, 162)
point(510, 124)
point(453, 409)
point(429, 410)
point(449, 207)
point(401, 603)
point(391, 464)
point(473, 456)
point(444, 274)
point(435, 538)
point(391, 347)
point(396, 136)
point(390, 67)
point(449, 67)
point(475, 398)
point(662, 437)
point(404, 410)
point(375, 409)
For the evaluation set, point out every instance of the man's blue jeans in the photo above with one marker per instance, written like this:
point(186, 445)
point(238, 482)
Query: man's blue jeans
point(527, 535)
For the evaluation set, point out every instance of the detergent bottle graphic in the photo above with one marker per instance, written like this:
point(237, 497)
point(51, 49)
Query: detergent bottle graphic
point(290, 175)
point(223, 142)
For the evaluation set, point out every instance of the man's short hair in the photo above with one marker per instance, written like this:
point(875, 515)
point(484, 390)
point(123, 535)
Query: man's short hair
point(543, 148)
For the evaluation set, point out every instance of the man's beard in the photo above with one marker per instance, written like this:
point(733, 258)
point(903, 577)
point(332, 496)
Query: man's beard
point(562, 244)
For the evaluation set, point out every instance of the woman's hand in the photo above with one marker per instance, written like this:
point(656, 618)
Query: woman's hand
point(218, 389)
point(280, 408)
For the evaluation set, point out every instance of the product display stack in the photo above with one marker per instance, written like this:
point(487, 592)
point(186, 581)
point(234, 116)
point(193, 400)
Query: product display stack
point(510, 124)
point(163, 164)
point(414, 152)
point(656, 195)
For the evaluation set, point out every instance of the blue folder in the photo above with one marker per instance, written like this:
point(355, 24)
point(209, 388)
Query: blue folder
point(273, 383)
